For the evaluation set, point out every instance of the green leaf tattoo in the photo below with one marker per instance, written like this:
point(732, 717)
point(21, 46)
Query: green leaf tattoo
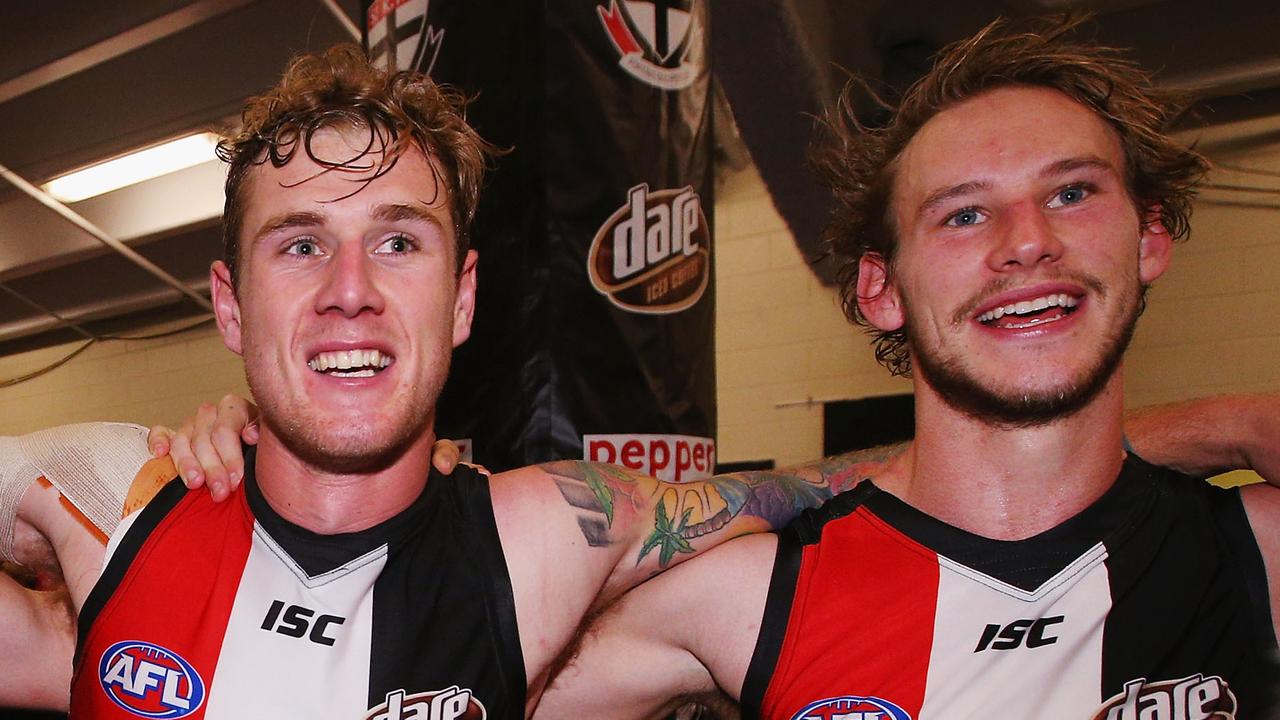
point(670, 539)
point(600, 488)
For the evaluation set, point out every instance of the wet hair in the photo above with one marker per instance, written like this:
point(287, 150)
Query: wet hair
point(858, 162)
point(340, 89)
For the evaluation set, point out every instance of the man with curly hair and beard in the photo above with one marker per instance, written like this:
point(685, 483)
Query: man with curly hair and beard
point(998, 236)
point(344, 578)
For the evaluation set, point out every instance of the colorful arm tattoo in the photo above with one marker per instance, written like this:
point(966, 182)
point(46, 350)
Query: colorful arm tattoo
point(753, 501)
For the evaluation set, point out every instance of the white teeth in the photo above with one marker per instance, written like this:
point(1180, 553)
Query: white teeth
point(354, 363)
point(1024, 307)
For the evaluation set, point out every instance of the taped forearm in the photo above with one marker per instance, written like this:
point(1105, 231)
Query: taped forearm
point(91, 464)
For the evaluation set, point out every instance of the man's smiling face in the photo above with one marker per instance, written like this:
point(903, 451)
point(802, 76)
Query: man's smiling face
point(348, 305)
point(1021, 255)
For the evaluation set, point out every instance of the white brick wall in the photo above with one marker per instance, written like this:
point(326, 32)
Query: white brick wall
point(148, 381)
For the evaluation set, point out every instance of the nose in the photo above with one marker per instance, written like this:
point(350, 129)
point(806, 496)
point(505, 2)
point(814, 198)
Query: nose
point(1025, 239)
point(350, 285)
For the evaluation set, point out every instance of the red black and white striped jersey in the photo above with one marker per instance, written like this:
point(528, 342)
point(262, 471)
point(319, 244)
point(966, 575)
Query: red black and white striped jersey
point(227, 611)
point(1149, 605)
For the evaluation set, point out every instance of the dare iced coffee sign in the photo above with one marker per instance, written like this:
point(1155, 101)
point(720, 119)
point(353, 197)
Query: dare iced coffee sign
point(653, 254)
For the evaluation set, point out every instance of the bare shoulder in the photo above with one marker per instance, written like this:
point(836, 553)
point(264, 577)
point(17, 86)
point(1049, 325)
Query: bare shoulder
point(687, 634)
point(712, 605)
point(555, 535)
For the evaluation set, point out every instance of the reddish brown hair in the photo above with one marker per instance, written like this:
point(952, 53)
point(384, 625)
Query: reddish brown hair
point(858, 162)
point(341, 89)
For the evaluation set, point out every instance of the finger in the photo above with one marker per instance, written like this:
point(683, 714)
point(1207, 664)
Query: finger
point(159, 437)
point(211, 465)
point(445, 455)
point(183, 459)
point(227, 430)
point(240, 415)
point(250, 434)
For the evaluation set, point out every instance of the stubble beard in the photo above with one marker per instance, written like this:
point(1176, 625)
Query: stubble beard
point(332, 444)
point(959, 387)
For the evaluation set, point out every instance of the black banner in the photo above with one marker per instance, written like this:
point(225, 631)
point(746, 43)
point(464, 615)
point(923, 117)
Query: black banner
point(594, 330)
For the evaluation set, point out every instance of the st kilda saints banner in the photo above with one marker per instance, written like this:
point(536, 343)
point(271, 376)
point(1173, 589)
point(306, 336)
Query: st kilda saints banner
point(594, 333)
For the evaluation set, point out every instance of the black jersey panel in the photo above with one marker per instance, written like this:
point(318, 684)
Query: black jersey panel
point(435, 614)
point(1178, 605)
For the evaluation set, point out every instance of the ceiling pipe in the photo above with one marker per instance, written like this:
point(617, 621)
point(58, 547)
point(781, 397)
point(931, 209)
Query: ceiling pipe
point(62, 322)
point(347, 23)
point(79, 221)
point(117, 45)
point(114, 307)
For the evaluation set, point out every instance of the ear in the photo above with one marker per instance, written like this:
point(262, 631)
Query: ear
point(464, 306)
point(878, 297)
point(226, 307)
point(1155, 247)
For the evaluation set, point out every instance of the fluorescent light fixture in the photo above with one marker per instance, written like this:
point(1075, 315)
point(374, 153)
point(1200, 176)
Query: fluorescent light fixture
point(134, 168)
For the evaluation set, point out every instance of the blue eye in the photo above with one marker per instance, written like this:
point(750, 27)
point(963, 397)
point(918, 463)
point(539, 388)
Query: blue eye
point(1069, 196)
point(965, 217)
point(303, 247)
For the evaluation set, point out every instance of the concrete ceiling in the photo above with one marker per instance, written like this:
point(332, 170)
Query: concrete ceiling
point(82, 81)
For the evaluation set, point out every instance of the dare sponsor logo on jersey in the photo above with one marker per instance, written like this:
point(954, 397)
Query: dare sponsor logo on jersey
point(852, 707)
point(659, 41)
point(150, 681)
point(653, 255)
point(1190, 698)
point(453, 703)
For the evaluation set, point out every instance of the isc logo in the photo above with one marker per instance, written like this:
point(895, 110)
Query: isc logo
point(149, 680)
point(1015, 633)
point(297, 621)
point(454, 703)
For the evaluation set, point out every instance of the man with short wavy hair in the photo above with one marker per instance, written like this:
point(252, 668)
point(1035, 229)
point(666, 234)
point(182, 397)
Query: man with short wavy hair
point(1015, 561)
point(346, 579)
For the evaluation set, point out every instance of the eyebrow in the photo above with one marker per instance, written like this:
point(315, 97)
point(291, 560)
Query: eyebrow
point(290, 220)
point(1061, 167)
point(389, 212)
point(942, 195)
point(400, 212)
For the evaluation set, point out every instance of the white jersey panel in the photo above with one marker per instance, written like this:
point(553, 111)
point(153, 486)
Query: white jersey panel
point(999, 651)
point(316, 630)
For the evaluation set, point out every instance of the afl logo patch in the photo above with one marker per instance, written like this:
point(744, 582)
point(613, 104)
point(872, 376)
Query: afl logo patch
point(852, 707)
point(653, 255)
point(150, 681)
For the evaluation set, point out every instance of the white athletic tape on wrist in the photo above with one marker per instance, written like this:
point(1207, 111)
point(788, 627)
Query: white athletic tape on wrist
point(16, 475)
point(91, 464)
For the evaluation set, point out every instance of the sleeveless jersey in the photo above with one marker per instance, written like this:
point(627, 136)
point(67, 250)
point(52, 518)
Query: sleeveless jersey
point(227, 611)
point(1151, 604)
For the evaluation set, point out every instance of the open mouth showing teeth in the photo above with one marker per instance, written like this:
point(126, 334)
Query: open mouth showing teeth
point(350, 363)
point(1029, 313)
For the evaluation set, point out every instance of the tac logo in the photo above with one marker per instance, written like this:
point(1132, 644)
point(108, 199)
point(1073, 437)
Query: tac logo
point(1191, 698)
point(150, 681)
point(454, 703)
point(400, 37)
point(660, 41)
point(653, 255)
point(852, 707)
